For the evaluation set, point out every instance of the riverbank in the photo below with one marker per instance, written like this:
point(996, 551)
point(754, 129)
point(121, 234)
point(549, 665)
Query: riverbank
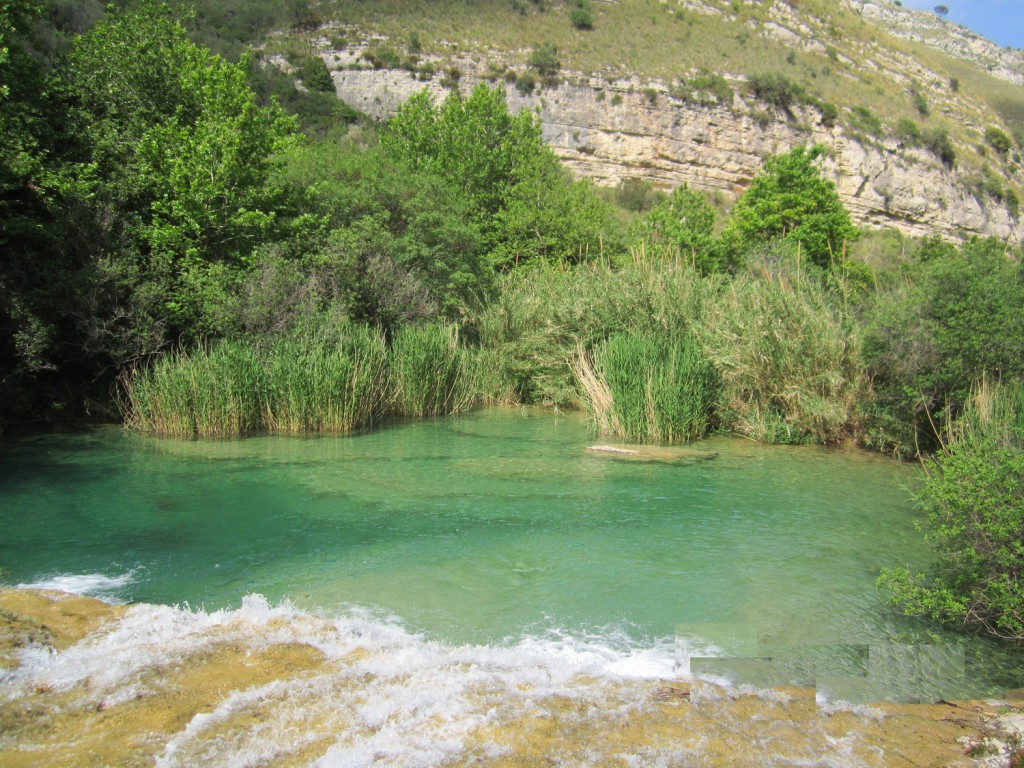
point(85, 683)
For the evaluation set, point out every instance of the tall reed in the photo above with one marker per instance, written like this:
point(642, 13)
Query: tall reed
point(327, 378)
point(323, 377)
point(529, 335)
point(212, 391)
point(432, 372)
point(652, 386)
point(785, 342)
point(994, 415)
point(790, 359)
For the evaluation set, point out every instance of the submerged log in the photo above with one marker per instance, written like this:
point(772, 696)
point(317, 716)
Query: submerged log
point(663, 453)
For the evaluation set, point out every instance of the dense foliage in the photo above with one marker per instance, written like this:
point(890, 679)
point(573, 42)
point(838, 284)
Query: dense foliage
point(789, 199)
point(974, 501)
point(954, 320)
point(525, 203)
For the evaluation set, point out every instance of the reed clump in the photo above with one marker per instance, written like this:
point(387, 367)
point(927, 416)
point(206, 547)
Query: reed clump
point(790, 356)
point(785, 343)
point(332, 378)
point(529, 335)
point(433, 373)
point(325, 376)
point(649, 386)
point(213, 391)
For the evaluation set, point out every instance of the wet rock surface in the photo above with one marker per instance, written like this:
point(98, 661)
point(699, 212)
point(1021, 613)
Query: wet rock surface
point(268, 688)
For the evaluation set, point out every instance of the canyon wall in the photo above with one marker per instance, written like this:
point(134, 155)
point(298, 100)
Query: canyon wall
point(610, 131)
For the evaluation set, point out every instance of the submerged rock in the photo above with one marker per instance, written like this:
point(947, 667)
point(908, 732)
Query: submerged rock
point(662, 453)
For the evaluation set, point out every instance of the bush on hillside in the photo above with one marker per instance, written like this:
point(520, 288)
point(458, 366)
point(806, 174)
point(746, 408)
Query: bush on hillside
point(998, 140)
point(937, 141)
point(775, 89)
point(582, 16)
point(315, 76)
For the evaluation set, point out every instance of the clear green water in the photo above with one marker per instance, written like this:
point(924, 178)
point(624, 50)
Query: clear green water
point(481, 530)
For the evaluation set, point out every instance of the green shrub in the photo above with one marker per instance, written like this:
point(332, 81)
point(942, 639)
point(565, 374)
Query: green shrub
point(1012, 202)
point(937, 141)
point(956, 320)
point(526, 82)
point(998, 140)
point(908, 132)
point(706, 87)
point(544, 59)
point(919, 99)
point(637, 195)
point(829, 114)
point(582, 16)
point(383, 57)
point(775, 89)
point(986, 184)
point(650, 386)
point(684, 222)
point(974, 501)
point(315, 76)
point(862, 119)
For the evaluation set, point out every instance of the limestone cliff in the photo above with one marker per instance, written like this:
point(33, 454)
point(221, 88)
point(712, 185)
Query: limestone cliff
point(610, 131)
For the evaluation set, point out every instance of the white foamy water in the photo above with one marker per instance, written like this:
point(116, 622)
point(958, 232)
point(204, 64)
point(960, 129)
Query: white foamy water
point(90, 584)
point(383, 696)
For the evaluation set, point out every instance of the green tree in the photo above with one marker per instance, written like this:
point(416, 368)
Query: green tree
point(686, 222)
point(40, 289)
point(474, 142)
point(525, 205)
point(547, 215)
point(398, 244)
point(180, 155)
point(790, 200)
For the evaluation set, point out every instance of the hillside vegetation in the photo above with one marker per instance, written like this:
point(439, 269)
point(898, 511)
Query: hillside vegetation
point(821, 53)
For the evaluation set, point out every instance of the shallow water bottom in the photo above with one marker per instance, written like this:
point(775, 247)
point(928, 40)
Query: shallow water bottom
point(89, 684)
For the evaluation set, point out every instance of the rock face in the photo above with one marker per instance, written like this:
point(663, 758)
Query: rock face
point(609, 132)
point(952, 39)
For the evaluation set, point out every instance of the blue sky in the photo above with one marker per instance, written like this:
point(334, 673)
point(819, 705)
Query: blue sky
point(1001, 21)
